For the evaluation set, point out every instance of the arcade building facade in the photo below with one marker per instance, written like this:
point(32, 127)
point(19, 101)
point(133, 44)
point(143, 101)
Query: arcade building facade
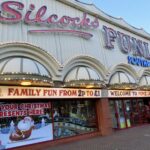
point(68, 71)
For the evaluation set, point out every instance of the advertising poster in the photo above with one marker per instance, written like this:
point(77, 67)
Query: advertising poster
point(24, 123)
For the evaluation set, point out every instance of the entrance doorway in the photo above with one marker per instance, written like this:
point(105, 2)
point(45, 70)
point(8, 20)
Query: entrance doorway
point(127, 113)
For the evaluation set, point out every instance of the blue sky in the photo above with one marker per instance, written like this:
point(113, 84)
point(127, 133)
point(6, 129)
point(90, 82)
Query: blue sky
point(134, 12)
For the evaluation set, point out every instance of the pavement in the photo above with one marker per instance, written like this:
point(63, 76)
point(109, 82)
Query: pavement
point(137, 138)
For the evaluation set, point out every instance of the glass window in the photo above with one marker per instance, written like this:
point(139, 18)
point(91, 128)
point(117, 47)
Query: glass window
point(127, 113)
point(113, 114)
point(73, 118)
point(25, 123)
point(33, 122)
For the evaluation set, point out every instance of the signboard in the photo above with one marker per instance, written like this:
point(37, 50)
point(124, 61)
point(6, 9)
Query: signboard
point(138, 61)
point(127, 93)
point(12, 12)
point(24, 123)
point(15, 92)
point(128, 45)
point(36, 92)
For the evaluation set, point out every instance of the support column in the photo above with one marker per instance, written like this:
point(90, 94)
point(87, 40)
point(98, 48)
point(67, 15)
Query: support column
point(104, 117)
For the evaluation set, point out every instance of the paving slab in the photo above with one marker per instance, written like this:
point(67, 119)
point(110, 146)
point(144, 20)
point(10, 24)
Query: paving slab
point(137, 138)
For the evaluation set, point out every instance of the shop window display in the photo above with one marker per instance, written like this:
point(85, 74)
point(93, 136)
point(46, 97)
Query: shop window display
point(127, 113)
point(113, 114)
point(28, 123)
point(25, 123)
point(73, 118)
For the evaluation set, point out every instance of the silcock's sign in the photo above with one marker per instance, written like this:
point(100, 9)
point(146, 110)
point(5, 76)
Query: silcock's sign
point(12, 12)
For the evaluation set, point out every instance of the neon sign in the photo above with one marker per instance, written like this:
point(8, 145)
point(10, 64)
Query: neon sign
point(138, 61)
point(128, 44)
point(15, 15)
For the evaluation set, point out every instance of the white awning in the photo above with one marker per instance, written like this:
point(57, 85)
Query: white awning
point(122, 80)
point(121, 77)
point(23, 71)
point(22, 65)
point(82, 73)
point(145, 81)
point(85, 77)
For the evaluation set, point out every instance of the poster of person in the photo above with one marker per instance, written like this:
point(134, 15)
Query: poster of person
point(25, 123)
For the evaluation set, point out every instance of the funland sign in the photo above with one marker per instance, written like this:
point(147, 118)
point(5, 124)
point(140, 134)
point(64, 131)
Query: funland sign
point(135, 48)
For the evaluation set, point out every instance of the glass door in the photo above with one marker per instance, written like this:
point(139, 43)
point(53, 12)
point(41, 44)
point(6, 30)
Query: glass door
point(127, 113)
point(121, 113)
point(113, 114)
point(138, 110)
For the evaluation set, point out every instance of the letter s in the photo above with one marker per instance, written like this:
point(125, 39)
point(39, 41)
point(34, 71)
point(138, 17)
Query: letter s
point(7, 7)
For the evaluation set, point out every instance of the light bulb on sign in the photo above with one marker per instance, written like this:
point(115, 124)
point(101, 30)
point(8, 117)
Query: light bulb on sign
point(26, 83)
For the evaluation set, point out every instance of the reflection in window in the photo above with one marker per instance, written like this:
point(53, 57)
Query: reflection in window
point(113, 114)
point(73, 117)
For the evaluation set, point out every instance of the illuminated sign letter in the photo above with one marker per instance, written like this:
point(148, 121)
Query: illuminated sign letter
point(7, 7)
point(27, 18)
point(124, 42)
point(110, 36)
point(40, 13)
point(138, 47)
point(146, 50)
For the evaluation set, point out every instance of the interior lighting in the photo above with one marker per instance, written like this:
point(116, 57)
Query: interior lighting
point(25, 83)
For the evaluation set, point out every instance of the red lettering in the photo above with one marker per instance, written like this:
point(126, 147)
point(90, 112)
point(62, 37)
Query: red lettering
point(95, 23)
point(8, 114)
point(40, 13)
point(1, 114)
point(7, 7)
point(36, 112)
point(75, 21)
point(13, 9)
point(9, 107)
point(85, 21)
point(65, 21)
point(24, 92)
point(68, 93)
point(16, 92)
point(52, 19)
point(50, 92)
point(38, 92)
point(27, 18)
point(10, 91)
